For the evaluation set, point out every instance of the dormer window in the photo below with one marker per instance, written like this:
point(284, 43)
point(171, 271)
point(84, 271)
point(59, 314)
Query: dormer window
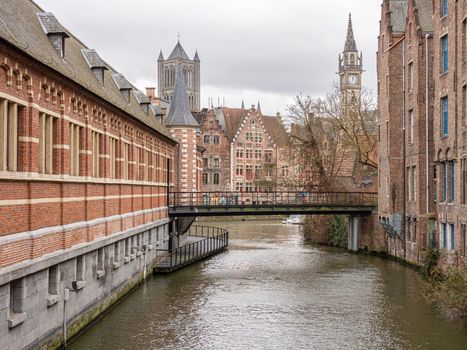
point(96, 64)
point(54, 30)
point(142, 100)
point(123, 85)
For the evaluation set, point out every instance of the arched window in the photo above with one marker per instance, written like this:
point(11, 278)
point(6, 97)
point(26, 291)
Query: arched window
point(252, 122)
point(216, 139)
point(207, 138)
point(205, 178)
point(216, 179)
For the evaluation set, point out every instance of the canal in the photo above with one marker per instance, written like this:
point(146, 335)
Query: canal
point(270, 290)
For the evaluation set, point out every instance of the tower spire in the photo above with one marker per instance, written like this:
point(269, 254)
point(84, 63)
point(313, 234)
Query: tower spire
point(179, 110)
point(258, 107)
point(350, 45)
point(243, 104)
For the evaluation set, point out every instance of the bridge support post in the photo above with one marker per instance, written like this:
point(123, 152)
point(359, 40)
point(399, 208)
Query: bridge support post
point(352, 238)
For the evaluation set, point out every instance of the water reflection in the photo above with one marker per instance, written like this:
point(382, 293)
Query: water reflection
point(271, 291)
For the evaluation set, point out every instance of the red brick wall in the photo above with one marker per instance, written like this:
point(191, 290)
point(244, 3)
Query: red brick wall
point(30, 201)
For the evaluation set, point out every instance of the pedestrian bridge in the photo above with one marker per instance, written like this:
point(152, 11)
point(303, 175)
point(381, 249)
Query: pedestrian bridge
point(194, 204)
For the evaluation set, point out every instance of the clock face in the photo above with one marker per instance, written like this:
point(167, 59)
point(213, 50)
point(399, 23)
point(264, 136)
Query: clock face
point(352, 79)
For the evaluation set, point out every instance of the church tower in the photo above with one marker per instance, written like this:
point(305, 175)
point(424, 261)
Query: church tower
point(167, 71)
point(350, 68)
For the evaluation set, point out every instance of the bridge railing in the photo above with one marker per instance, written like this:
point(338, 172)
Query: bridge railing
point(229, 199)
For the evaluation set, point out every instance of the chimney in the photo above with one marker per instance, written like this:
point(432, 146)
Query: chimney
point(151, 93)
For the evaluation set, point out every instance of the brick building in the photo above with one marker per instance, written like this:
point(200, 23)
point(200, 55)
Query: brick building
point(245, 150)
point(420, 86)
point(84, 172)
point(450, 127)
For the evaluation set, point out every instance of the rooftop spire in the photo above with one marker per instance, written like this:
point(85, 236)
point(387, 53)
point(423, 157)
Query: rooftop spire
point(258, 108)
point(350, 45)
point(196, 58)
point(178, 52)
point(179, 111)
point(161, 56)
point(243, 104)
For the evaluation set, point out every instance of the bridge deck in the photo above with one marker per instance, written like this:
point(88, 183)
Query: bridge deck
point(184, 204)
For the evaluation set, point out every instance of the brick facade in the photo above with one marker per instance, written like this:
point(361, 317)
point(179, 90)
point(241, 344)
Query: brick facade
point(420, 170)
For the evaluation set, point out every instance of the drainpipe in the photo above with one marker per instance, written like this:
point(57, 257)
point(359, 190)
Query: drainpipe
point(427, 177)
point(404, 205)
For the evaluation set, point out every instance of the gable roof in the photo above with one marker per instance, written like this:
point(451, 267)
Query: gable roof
point(276, 130)
point(398, 10)
point(425, 14)
point(179, 111)
point(233, 118)
point(178, 52)
point(20, 27)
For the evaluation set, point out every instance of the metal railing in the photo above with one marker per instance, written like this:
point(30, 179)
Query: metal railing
point(229, 199)
point(213, 240)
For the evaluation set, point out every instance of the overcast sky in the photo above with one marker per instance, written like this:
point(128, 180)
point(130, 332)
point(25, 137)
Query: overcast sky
point(266, 50)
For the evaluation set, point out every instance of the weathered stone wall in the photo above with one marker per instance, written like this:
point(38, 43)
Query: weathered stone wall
point(126, 256)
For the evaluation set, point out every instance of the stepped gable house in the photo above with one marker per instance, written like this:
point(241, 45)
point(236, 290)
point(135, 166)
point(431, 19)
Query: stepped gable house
point(245, 150)
point(84, 172)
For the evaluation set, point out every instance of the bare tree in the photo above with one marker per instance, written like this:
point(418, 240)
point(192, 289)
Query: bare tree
point(326, 132)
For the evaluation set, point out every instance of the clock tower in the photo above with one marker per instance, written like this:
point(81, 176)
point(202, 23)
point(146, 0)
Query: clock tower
point(350, 69)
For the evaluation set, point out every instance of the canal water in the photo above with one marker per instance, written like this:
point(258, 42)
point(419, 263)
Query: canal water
point(270, 290)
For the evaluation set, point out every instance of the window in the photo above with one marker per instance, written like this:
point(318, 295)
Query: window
point(239, 170)
point(239, 153)
point(249, 171)
point(444, 235)
point(96, 144)
point(445, 116)
point(464, 104)
point(100, 262)
point(252, 122)
point(258, 137)
point(248, 187)
point(215, 179)
point(268, 157)
point(17, 295)
point(8, 135)
point(126, 158)
point(116, 262)
point(205, 178)
point(257, 171)
point(452, 168)
point(112, 157)
point(80, 271)
point(435, 184)
point(239, 186)
point(285, 170)
point(268, 170)
point(216, 162)
point(249, 136)
point(75, 142)
point(414, 183)
point(207, 138)
point(52, 297)
point(444, 54)
point(451, 245)
point(411, 131)
point(464, 181)
point(216, 139)
point(444, 181)
point(411, 77)
point(46, 141)
point(205, 163)
point(249, 154)
point(444, 8)
point(257, 154)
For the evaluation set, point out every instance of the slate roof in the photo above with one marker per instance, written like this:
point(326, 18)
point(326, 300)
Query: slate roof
point(49, 23)
point(156, 109)
point(425, 14)
point(350, 45)
point(20, 27)
point(179, 111)
point(92, 58)
point(178, 52)
point(233, 117)
point(121, 81)
point(398, 9)
point(140, 97)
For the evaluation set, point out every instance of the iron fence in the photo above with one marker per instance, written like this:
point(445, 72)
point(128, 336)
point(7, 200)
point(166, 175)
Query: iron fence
point(212, 240)
point(230, 199)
